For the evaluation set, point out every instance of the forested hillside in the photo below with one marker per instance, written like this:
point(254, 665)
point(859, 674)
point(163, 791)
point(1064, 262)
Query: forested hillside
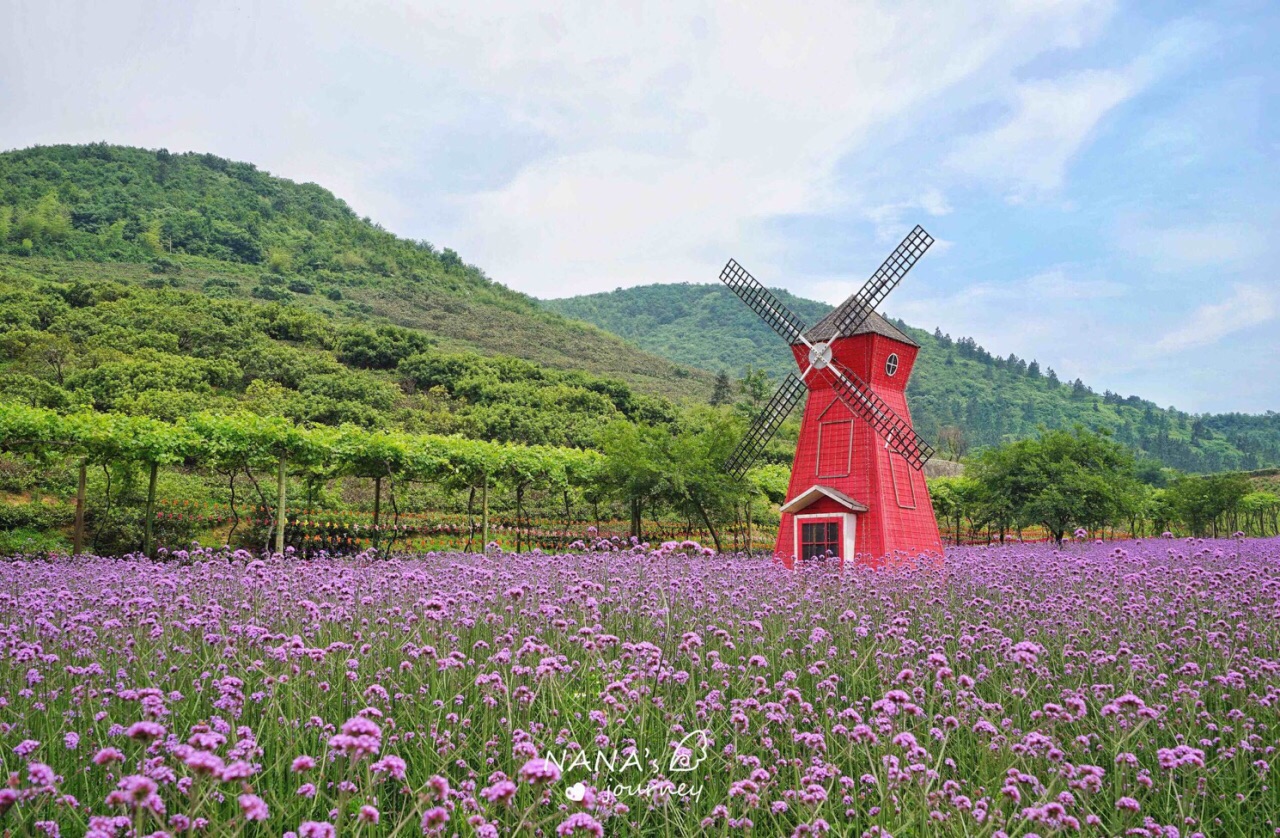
point(962, 395)
point(199, 223)
point(101, 341)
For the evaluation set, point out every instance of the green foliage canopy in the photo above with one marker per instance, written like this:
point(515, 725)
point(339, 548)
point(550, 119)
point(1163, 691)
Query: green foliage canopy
point(1059, 480)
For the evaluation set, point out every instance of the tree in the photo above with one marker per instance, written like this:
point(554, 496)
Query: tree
point(1200, 501)
point(952, 442)
point(150, 239)
point(48, 220)
point(382, 347)
point(955, 499)
point(54, 353)
point(697, 482)
point(754, 389)
point(1160, 510)
point(1150, 471)
point(723, 391)
point(635, 465)
point(1262, 511)
point(1138, 505)
point(1060, 479)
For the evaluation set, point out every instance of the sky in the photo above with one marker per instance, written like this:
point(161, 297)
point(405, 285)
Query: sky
point(1100, 176)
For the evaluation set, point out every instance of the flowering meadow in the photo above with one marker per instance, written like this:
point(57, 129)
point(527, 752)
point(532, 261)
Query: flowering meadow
point(1090, 689)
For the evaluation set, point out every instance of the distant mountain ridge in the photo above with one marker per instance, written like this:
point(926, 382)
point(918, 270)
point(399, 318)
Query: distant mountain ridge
point(957, 384)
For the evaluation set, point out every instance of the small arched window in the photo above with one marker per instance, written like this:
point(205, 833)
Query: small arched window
point(891, 364)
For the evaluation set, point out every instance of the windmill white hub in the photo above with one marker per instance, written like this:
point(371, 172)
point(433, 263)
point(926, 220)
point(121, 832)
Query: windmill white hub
point(819, 355)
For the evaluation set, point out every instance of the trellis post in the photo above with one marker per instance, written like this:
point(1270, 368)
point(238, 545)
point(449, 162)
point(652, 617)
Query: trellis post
point(484, 514)
point(77, 543)
point(377, 510)
point(280, 501)
point(148, 530)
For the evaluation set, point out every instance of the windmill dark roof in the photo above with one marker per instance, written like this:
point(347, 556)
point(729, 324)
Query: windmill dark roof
point(825, 329)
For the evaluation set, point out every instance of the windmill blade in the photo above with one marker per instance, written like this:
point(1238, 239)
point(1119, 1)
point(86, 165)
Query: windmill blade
point(858, 308)
point(762, 301)
point(766, 424)
point(896, 431)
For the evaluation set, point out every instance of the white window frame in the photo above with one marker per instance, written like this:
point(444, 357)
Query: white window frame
point(848, 532)
point(893, 356)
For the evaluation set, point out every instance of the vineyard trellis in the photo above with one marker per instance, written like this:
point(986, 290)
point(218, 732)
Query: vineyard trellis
point(244, 445)
point(345, 529)
point(240, 449)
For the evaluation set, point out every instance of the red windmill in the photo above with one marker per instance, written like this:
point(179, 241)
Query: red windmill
point(857, 482)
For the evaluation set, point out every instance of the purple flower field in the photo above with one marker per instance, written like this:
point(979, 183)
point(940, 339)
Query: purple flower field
point(1096, 690)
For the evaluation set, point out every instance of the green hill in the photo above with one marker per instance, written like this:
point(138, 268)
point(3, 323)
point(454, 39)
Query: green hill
point(957, 384)
point(161, 285)
point(197, 223)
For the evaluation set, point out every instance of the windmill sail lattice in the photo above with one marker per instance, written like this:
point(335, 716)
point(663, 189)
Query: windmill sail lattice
point(855, 310)
point(766, 424)
point(851, 389)
point(760, 300)
point(896, 432)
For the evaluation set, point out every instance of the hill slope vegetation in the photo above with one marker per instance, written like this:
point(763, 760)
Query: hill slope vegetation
point(204, 224)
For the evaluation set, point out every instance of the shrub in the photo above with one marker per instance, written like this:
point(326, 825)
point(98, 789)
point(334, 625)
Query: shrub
point(32, 542)
point(165, 265)
point(35, 516)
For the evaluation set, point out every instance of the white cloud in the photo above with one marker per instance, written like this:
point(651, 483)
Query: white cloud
point(934, 203)
point(889, 218)
point(1003, 317)
point(1248, 306)
point(1058, 284)
point(1188, 247)
point(676, 141)
point(1050, 122)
